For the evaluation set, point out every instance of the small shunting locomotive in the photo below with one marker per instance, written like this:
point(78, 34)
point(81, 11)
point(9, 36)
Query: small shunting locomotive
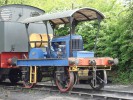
point(30, 46)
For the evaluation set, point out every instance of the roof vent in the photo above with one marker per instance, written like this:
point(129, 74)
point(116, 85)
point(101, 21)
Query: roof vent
point(6, 14)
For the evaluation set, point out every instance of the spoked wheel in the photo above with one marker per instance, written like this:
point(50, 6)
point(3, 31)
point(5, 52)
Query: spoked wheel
point(65, 81)
point(28, 84)
point(26, 80)
point(15, 75)
point(100, 80)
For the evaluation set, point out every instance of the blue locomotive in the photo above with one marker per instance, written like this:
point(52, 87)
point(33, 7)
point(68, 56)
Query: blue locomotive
point(65, 54)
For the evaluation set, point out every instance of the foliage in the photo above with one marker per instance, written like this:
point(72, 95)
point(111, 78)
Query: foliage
point(123, 77)
point(62, 30)
point(88, 31)
point(126, 40)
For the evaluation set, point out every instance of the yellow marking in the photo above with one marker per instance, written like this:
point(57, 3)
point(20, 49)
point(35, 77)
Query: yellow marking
point(33, 74)
point(73, 68)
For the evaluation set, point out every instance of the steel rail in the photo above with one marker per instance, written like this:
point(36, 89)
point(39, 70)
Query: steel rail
point(104, 94)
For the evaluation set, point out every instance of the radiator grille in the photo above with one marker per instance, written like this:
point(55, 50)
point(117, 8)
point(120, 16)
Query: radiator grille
point(77, 44)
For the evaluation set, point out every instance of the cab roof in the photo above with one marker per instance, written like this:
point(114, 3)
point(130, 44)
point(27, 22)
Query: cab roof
point(82, 14)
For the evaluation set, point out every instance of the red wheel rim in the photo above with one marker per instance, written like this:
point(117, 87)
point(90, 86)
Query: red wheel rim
point(69, 84)
point(28, 85)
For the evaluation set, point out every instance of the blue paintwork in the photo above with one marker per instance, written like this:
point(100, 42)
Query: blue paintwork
point(43, 62)
point(83, 54)
point(36, 53)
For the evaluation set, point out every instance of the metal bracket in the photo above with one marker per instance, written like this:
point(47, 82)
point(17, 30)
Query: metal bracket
point(26, 26)
point(94, 76)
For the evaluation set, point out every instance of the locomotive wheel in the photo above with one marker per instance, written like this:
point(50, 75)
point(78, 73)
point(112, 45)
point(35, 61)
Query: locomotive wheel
point(27, 84)
point(99, 84)
point(15, 75)
point(26, 80)
point(66, 84)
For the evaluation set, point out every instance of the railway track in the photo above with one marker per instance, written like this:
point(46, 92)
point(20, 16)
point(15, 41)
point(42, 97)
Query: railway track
point(82, 92)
